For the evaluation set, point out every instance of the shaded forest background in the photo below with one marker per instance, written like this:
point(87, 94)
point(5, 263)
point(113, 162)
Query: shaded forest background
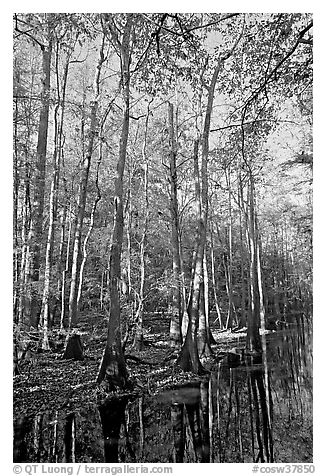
point(162, 166)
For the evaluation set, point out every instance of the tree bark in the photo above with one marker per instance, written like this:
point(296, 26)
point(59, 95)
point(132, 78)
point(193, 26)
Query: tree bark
point(229, 264)
point(175, 323)
point(113, 366)
point(65, 271)
point(242, 262)
point(138, 339)
point(36, 230)
point(89, 232)
point(218, 312)
point(24, 302)
point(188, 358)
point(253, 337)
point(58, 130)
point(76, 260)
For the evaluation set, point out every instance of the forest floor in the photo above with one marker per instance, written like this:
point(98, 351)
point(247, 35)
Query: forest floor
point(46, 380)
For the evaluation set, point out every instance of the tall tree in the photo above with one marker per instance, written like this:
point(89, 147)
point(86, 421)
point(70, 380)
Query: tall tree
point(40, 25)
point(113, 366)
point(82, 197)
point(59, 111)
point(138, 338)
point(175, 323)
point(188, 358)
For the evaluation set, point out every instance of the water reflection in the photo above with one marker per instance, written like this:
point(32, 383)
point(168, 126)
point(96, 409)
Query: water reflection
point(113, 420)
point(259, 411)
point(190, 424)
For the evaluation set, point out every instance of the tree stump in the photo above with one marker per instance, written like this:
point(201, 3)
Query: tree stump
point(74, 348)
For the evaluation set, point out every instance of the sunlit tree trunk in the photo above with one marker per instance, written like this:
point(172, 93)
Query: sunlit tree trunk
point(209, 335)
point(23, 151)
point(65, 269)
point(188, 358)
point(242, 268)
point(61, 254)
point(214, 282)
point(138, 339)
point(23, 303)
point(15, 215)
point(257, 308)
point(175, 323)
point(205, 338)
point(128, 235)
point(58, 130)
point(36, 230)
point(90, 229)
point(229, 265)
point(76, 258)
point(113, 366)
point(184, 312)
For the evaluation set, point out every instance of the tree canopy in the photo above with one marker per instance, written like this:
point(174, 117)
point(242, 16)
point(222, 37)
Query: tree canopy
point(162, 164)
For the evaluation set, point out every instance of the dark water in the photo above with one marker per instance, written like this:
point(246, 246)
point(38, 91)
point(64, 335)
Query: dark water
point(260, 411)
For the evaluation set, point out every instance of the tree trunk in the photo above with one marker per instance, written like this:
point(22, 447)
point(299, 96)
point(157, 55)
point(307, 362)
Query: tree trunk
point(218, 312)
point(231, 309)
point(138, 339)
point(208, 338)
point(253, 336)
point(24, 303)
point(90, 229)
point(242, 262)
point(205, 338)
point(74, 348)
point(65, 271)
point(36, 230)
point(58, 130)
point(113, 365)
point(15, 215)
point(175, 323)
point(141, 428)
point(188, 358)
point(204, 334)
point(184, 313)
point(76, 260)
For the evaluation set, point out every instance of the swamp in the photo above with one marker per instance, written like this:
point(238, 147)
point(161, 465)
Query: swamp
point(162, 257)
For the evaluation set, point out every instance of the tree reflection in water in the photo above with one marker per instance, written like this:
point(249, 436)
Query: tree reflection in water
point(259, 411)
point(199, 434)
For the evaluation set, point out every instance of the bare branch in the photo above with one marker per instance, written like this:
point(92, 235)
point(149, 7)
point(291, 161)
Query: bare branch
point(26, 33)
point(279, 64)
point(212, 23)
point(230, 126)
